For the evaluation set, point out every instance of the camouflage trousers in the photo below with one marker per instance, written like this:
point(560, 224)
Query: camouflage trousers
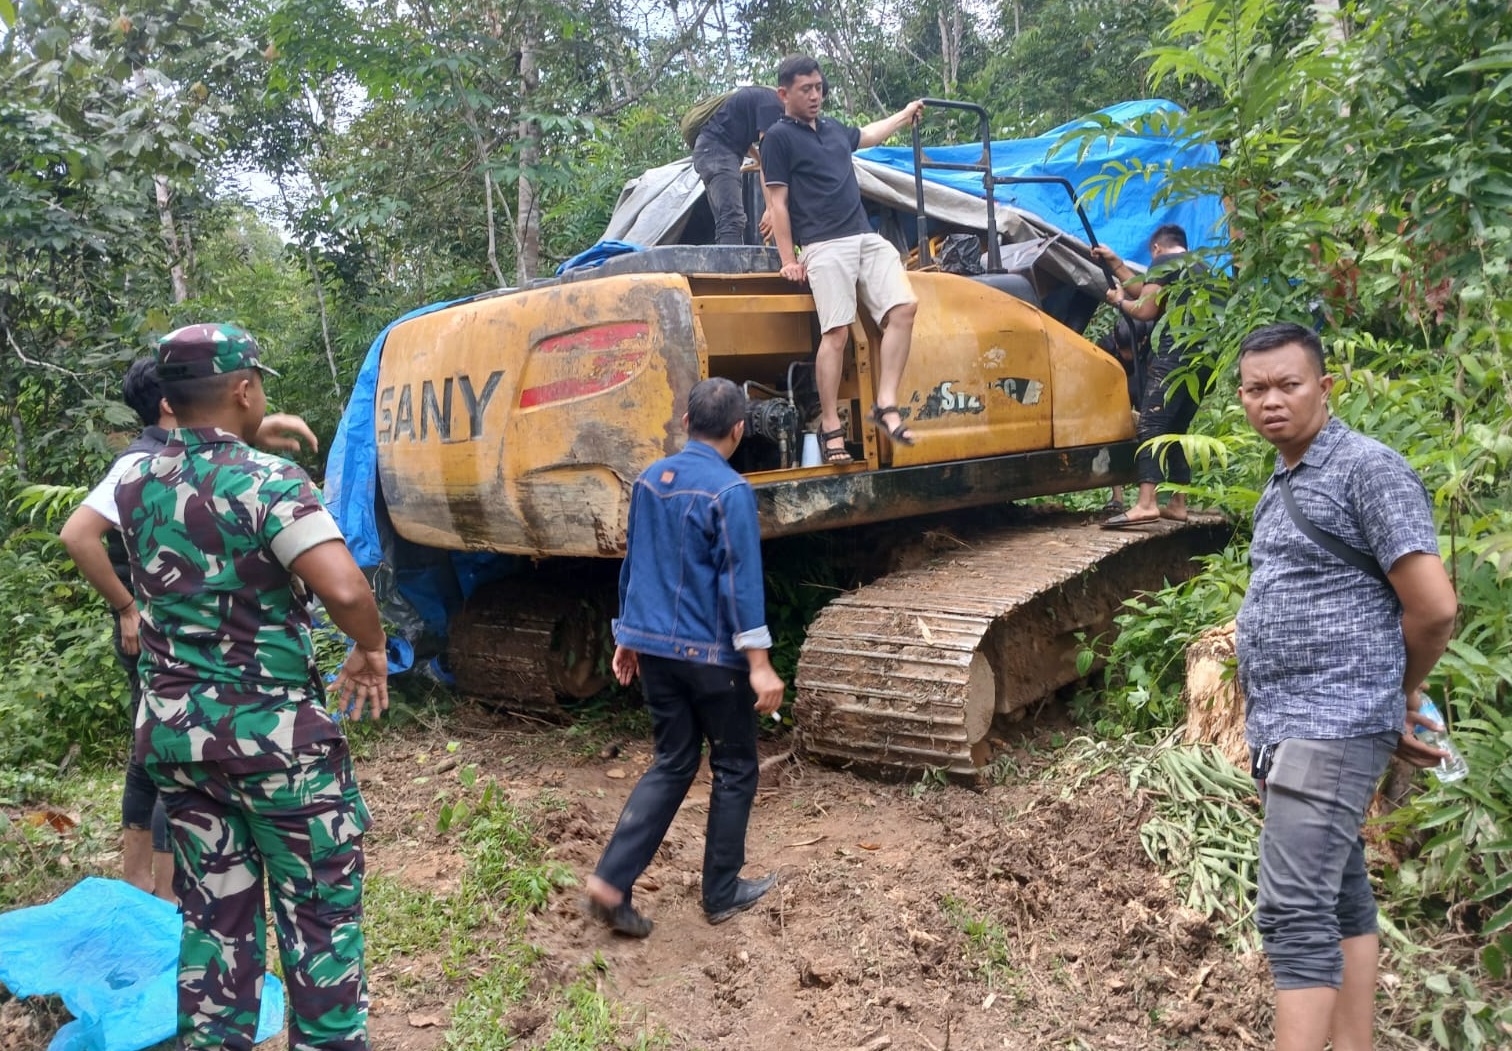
point(297, 819)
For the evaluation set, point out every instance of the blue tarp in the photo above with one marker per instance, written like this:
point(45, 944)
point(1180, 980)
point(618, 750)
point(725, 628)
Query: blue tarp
point(111, 952)
point(598, 255)
point(1127, 229)
point(351, 493)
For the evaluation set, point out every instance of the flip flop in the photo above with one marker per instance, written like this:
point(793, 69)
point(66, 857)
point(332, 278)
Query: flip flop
point(1125, 522)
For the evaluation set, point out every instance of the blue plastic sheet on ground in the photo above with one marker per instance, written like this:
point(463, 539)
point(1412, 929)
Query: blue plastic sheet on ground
point(1127, 228)
point(110, 951)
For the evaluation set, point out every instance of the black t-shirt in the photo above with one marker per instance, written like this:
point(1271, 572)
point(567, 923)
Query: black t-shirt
point(1176, 275)
point(743, 117)
point(824, 200)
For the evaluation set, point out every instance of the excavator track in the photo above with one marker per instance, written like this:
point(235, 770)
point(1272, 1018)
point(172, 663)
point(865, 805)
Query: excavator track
point(905, 674)
point(523, 643)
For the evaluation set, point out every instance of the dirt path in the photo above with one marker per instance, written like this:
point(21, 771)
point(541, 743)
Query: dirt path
point(910, 916)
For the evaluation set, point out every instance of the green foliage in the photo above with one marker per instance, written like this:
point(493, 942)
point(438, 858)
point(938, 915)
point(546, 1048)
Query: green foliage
point(986, 942)
point(1205, 830)
point(1369, 191)
point(1467, 855)
point(1463, 1016)
point(802, 575)
point(62, 688)
point(39, 861)
point(1145, 662)
point(1060, 59)
point(506, 862)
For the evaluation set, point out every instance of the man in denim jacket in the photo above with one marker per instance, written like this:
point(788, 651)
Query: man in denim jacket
point(692, 623)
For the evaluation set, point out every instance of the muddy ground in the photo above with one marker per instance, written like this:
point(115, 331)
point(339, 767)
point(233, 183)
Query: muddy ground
point(930, 916)
point(922, 915)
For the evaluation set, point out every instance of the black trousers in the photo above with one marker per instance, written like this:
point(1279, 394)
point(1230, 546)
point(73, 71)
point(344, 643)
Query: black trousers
point(720, 171)
point(690, 703)
point(1165, 409)
point(140, 806)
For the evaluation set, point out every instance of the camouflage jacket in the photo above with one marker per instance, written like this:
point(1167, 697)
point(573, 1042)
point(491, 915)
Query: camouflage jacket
point(211, 526)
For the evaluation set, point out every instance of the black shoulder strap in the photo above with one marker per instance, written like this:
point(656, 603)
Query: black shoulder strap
point(1326, 540)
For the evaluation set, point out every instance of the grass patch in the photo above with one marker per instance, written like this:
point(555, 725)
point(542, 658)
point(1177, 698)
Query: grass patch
point(38, 861)
point(508, 878)
point(988, 942)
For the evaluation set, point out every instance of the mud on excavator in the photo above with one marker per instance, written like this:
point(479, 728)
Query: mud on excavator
point(517, 422)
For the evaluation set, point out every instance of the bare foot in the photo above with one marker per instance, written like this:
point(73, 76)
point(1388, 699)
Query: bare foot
point(602, 892)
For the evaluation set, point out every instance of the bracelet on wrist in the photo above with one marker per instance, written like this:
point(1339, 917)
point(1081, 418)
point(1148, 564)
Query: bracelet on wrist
point(129, 604)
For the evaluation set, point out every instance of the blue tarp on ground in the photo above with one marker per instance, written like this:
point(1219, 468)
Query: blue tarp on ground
point(1127, 230)
point(111, 952)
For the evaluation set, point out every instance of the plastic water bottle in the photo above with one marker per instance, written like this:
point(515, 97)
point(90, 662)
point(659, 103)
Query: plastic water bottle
point(1453, 766)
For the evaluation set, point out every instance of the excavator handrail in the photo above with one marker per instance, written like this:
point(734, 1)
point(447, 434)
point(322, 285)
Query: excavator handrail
point(989, 181)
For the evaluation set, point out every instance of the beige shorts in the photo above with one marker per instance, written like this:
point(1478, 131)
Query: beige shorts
point(838, 269)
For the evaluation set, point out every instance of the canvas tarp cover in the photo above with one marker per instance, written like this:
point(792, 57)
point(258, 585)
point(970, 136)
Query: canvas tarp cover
point(653, 207)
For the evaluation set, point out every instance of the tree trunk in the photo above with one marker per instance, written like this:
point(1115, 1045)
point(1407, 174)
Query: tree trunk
point(493, 237)
point(528, 209)
point(171, 239)
point(949, 16)
point(325, 320)
point(18, 429)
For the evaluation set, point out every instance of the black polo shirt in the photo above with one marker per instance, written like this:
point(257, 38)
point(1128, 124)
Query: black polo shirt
point(814, 163)
point(743, 117)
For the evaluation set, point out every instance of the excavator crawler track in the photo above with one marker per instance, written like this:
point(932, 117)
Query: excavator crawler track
point(523, 643)
point(905, 674)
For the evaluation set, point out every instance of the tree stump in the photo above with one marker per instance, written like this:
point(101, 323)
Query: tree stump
point(1214, 702)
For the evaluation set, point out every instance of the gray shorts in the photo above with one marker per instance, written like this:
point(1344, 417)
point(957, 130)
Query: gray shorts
point(838, 269)
point(1314, 891)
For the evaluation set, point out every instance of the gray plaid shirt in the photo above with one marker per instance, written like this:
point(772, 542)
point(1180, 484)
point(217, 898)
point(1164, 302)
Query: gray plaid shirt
point(1320, 644)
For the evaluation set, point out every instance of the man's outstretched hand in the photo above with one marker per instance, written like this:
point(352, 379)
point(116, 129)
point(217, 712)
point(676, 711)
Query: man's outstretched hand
point(362, 680)
point(283, 432)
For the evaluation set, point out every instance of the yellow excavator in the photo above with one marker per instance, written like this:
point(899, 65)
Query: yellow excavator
point(517, 421)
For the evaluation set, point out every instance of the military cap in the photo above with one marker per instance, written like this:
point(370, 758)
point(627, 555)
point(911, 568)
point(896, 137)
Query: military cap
point(197, 351)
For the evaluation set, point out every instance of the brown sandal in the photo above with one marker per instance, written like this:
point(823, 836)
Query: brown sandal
point(831, 454)
point(900, 433)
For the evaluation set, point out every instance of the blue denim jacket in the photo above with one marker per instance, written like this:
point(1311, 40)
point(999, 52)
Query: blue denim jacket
point(691, 587)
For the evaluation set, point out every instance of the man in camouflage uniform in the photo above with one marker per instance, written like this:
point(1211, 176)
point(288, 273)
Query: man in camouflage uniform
point(256, 777)
point(93, 540)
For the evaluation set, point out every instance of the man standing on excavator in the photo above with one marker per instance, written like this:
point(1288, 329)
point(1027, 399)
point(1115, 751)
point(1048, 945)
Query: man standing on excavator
point(825, 238)
point(1175, 377)
point(730, 135)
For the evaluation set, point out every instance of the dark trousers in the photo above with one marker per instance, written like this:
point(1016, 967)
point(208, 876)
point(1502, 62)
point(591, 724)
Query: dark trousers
point(690, 703)
point(140, 806)
point(1166, 409)
point(720, 171)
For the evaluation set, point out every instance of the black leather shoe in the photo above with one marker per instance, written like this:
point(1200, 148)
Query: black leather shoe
point(622, 919)
point(747, 893)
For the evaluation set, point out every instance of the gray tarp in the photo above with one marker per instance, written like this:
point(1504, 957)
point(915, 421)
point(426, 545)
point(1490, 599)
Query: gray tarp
point(653, 209)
